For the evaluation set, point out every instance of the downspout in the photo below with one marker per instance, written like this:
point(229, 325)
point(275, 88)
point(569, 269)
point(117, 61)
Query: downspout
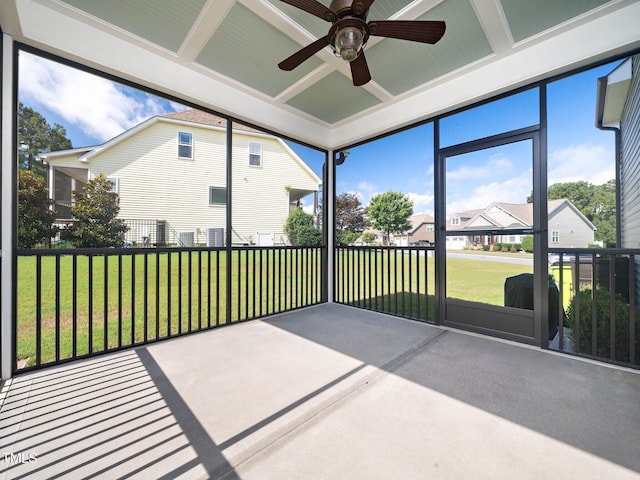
point(602, 88)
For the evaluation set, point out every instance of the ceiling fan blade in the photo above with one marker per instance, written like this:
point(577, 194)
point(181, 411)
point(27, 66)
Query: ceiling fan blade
point(360, 70)
point(426, 31)
point(303, 54)
point(360, 7)
point(314, 8)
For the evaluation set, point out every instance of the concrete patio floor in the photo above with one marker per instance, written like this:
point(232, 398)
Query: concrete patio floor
point(325, 392)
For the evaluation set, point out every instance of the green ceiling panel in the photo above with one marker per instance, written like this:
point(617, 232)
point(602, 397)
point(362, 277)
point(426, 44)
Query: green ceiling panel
point(239, 51)
point(399, 65)
point(528, 17)
point(333, 98)
point(163, 22)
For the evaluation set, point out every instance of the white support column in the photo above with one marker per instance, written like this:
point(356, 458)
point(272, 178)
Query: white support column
point(6, 212)
point(328, 207)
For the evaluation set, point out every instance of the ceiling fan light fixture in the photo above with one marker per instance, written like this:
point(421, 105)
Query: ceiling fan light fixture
point(348, 42)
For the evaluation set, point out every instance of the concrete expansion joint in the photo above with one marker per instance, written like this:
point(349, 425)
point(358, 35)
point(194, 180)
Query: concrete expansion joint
point(308, 419)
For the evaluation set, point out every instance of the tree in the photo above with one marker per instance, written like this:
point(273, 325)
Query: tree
point(95, 211)
point(368, 238)
point(36, 136)
point(300, 230)
point(596, 202)
point(389, 212)
point(35, 216)
point(350, 218)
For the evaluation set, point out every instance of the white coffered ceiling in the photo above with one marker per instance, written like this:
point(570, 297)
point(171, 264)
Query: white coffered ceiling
point(223, 54)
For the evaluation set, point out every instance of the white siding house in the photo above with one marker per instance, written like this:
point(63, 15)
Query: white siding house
point(170, 170)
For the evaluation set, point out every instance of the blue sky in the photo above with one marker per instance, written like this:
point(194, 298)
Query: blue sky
point(93, 110)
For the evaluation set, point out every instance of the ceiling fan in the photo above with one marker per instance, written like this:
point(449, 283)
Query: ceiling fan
point(350, 31)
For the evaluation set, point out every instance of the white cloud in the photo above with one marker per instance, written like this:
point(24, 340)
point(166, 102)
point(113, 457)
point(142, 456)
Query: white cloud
point(512, 190)
point(485, 170)
point(100, 108)
point(591, 163)
point(366, 186)
point(422, 202)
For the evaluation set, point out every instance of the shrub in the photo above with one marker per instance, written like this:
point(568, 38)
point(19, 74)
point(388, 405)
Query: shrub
point(527, 243)
point(296, 221)
point(497, 247)
point(603, 324)
point(307, 236)
point(513, 249)
point(347, 237)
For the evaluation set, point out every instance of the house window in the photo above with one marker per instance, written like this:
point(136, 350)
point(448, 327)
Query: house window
point(114, 184)
point(512, 238)
point(255, 154)
point(429, 227)
point(455, 221)
point(555, 236)
point(217, 196)
point(185, 145)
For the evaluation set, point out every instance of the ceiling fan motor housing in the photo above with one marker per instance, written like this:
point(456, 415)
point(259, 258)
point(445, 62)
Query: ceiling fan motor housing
point(355, 7)
point(347, 36)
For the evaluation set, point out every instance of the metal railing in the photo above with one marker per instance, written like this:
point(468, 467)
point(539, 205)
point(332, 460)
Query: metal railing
point(395, 280)
point(598, 294)
point(74, 303)
point(597, 301)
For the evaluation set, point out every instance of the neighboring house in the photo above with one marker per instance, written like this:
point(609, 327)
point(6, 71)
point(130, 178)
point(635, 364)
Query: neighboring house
point(170, 174)
point(422, 231)
point(568, 227)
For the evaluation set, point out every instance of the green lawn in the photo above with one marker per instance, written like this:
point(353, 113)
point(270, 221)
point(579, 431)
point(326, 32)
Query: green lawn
point(172, 293)
point(480, 281)
point(387, 274)
point(151, 295)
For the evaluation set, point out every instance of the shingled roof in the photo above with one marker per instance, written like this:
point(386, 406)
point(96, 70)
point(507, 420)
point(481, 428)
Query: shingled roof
point(197, 116)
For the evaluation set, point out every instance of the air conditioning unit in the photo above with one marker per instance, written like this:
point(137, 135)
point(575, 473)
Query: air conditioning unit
point(215, 237)
point(186, 239)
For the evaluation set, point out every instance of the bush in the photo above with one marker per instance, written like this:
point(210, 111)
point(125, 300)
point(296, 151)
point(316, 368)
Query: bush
point(309, 237)
point(497, 247)
point(347, 237)
point(603, 324)
point(527, 243)
point(296, 221)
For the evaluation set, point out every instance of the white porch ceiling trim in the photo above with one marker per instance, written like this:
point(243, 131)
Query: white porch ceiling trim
point(49, 26)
